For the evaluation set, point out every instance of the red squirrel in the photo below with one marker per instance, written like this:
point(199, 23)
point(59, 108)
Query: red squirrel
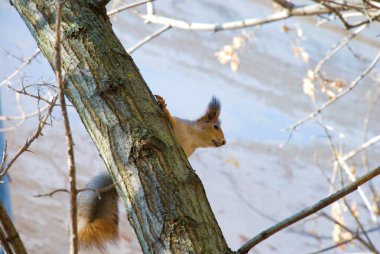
point(98, 216)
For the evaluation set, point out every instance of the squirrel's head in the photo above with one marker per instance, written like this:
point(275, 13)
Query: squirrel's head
point(211, 133)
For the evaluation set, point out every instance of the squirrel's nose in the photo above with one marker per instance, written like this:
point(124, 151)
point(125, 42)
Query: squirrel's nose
point(223, 142)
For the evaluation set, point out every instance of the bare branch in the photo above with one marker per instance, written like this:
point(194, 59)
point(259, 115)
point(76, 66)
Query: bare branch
point(98, 191)
point(338, 47)
point(38, 97)
point(69, 138)
point(333, 246)
point(7, 52)
point(147, 39)
point(354, 83)
point(4, 157)
point(309, 10)
point(150, 8)
point(308, 211)
point(284, 4)
point(353, 234)
point(128, 6)
point(23, 116)
point(9, 238)
point(50, 194)
point(343, 166)
point(26, 62)
point(36, 134)
point(362, 147)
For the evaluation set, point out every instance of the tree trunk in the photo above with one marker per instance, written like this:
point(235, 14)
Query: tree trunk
point(164, 198)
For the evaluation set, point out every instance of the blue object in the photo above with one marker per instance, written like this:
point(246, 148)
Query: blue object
point(4, 185)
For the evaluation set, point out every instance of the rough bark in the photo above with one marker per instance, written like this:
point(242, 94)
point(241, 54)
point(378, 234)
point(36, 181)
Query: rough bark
point(9, 238)
point(164, 198)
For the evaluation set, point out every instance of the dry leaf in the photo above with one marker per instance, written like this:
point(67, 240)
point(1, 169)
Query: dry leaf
point(300, 52)
point(305, 56)
point(311, 75)
point(375, 199)
point(330, 94)
point(353, 171)
point(233, 161)
point(338, 84)
point(308, 88)
point(339, 234)
point(237, 42)
point(285, 29)
point(234, 65)
point(228, 49)
point(229, 52)
point(354, 209)
point(223, 57)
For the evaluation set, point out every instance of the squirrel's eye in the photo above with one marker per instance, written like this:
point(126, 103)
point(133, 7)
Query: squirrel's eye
point(216, 127)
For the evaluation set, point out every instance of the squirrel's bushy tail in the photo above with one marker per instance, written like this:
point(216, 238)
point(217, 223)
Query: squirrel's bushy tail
point(98, 213)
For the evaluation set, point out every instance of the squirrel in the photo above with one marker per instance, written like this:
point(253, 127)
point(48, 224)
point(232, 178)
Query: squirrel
point(97, 206)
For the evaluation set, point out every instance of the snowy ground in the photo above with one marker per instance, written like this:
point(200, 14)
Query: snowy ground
point(251, 183)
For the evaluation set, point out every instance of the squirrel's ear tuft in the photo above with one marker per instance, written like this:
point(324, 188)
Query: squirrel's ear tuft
point(213, 111)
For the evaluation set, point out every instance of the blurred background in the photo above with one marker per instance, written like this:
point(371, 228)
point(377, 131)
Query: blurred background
point(261, 74)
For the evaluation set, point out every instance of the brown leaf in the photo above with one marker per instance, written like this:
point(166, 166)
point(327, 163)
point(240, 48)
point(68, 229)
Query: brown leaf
point(308, 88)
point(285, 29)
point(354, 209)
point(330, 94)
point(339, 234)
point(338, 84)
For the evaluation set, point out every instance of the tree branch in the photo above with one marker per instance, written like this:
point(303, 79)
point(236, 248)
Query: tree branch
point(69, 138)
point(36, 134)
point(9, 238)
point(147, 39)
point(354, 83)
point(309, 10)
point(26, 62)
point(128, 6)
point(308, 211)
point(284, 4)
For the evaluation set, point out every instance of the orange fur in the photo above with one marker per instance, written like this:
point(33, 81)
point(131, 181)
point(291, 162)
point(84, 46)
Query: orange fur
point(97, 233)
point(204, 132)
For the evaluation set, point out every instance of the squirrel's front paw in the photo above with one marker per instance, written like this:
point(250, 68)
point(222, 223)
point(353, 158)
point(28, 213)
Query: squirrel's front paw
point(160, 101)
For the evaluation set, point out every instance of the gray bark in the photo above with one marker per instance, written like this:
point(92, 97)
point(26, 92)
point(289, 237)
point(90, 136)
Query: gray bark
point(164, 198)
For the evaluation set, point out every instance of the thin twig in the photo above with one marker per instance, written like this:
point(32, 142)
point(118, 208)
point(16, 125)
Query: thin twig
point(333, 246)
point(24, 116)
point(7, 52)
point(50, 194)
point(24, 91)
point(354, 83)
point(29, 141)
point(98, 191)
point(128, 6)
point(284, 4)
point(69, 138)
point(343, 166)
point(4, 157)
point(25, 63)
point(338, 47)
point(150, 8)
point(147, 39)
point(353, 234)
point(308, 211)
